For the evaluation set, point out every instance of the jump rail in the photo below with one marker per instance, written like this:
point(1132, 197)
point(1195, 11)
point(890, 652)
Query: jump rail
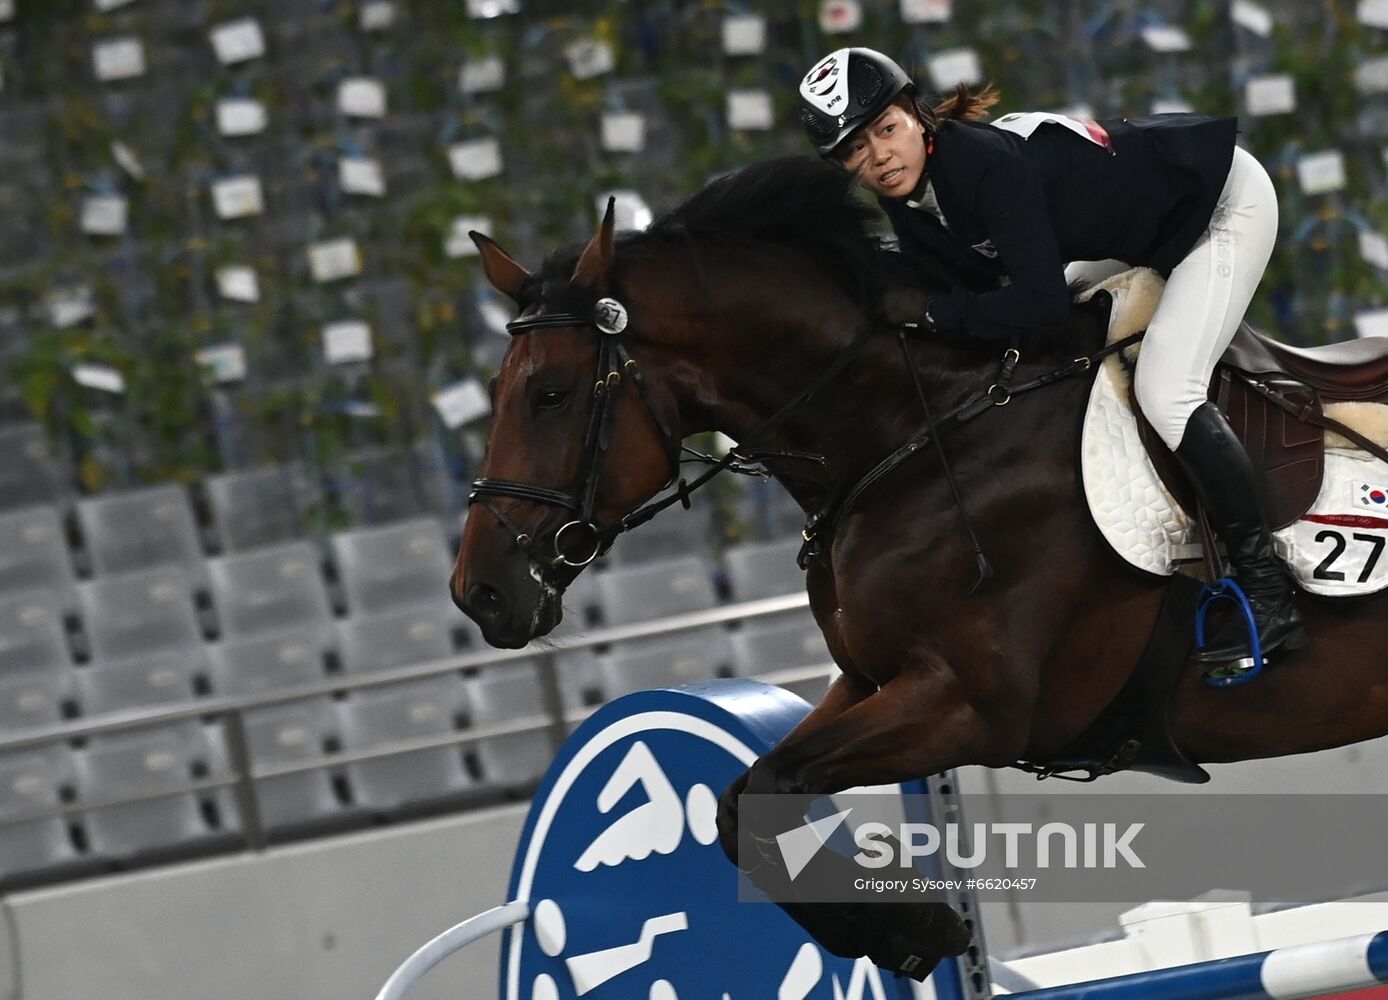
point(1308, 970)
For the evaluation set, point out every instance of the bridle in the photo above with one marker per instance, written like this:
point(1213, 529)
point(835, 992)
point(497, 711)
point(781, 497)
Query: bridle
point(609, 320)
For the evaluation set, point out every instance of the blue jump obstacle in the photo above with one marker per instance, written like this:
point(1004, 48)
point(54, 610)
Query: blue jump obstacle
point(620, 891)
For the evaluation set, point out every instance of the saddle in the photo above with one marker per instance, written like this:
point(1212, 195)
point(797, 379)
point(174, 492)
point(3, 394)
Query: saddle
point(1289, 406)
point(1286, 404)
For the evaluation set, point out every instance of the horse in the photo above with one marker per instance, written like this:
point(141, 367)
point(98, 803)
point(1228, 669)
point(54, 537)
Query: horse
point(717, 318)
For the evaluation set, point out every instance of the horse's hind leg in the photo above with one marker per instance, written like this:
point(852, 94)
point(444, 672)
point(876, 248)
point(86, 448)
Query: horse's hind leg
point(879, 739)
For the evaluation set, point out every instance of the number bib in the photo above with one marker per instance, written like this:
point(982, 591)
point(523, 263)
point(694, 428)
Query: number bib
point(1336, 548)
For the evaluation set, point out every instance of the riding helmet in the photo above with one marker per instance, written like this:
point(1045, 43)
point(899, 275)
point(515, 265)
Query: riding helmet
point(846, 89)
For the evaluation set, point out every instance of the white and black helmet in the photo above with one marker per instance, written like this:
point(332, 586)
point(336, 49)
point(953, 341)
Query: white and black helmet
point(846, 89)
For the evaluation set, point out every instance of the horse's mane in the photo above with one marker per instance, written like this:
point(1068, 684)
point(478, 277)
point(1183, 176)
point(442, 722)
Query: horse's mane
point(795, 202)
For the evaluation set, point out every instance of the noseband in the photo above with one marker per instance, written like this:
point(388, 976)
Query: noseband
point(608, 320)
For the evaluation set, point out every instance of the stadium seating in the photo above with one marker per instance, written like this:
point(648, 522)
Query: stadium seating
point(140, 529)
point(157, 678)
point(777, 643)
point(29, 474)
point(268, 590)
point(672, 533)
point(34, 555)
point(393, 567)
point(260, 506)
point(28, 782)
point(506, 694)
point(136, 613)
point(142, 764)
point(414, 710)
point(292, 733)
point(698, 655)
point(32, 640)
point(765, 569)
point(252, 666)
point(656, 589)
point(398, 638)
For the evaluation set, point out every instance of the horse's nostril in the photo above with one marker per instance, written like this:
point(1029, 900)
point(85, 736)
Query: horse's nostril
point(486, 599)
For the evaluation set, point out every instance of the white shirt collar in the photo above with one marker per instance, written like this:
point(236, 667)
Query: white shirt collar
point(928, 203)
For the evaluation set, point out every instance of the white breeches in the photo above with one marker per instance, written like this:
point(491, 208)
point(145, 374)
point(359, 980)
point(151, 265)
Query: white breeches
point(1205, 300)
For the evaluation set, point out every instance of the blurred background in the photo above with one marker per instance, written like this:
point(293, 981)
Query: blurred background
point(244, 342)
point(236, 231)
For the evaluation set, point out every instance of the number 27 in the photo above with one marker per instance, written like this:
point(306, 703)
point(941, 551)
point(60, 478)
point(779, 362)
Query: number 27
point(1324, 572)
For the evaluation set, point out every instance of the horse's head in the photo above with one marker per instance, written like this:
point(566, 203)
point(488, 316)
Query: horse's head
point(578, 439)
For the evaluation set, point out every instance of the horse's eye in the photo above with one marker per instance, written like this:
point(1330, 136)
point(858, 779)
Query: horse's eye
point(552, 399)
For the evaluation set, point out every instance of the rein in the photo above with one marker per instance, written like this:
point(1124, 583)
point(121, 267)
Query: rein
point(1000, 392)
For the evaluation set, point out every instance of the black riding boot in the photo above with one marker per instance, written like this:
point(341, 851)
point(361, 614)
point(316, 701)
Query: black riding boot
point(1228, 487)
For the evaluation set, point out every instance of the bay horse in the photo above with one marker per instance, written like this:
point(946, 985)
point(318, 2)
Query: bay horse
point(718, 317)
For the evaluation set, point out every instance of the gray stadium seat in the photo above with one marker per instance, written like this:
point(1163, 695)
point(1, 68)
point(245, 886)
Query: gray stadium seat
point(260, 506)
point(32, 640)
point(404, 564)
point(33, 699)
point(765, 569)
point(294, 732)
point(139, 529)
point(402, 712)
point(505, 694)
point(137, 613)
point(160, 678)
point(378, 642)
point(656, 590)
point(29, 474)
point(269, 590)
point(34, 555)
point(139, 764)
point(700, 655)
point(783, 642)
point(29, 782)
point(672, 533)
point(250, 666)
point(580, 679)
point(779, 642)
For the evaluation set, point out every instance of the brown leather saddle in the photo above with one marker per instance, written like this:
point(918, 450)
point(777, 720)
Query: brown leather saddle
point(1275, 397)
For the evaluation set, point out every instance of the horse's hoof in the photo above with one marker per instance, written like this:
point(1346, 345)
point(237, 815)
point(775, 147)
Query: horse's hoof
point(915, 945)
point(902, 960)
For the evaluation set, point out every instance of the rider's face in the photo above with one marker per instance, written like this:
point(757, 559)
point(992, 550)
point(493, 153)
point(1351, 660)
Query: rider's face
point(887, 154)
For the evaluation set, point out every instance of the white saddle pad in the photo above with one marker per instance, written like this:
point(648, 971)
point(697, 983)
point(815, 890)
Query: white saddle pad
point(1335, 549)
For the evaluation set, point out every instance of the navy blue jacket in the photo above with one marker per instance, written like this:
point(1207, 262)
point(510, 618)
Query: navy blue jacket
point(1023, 207)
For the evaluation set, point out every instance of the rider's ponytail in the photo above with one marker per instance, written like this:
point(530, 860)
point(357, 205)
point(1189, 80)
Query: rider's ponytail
point(962, 105)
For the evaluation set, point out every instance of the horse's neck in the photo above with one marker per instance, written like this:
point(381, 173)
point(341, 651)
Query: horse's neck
point(743, 334)
point(856, 419)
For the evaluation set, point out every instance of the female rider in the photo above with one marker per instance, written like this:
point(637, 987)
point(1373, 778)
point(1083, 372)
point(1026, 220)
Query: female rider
point(1024, 195)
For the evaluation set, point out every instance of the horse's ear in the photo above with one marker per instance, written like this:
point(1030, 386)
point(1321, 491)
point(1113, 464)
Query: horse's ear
point(596, 261)
point(504, 274)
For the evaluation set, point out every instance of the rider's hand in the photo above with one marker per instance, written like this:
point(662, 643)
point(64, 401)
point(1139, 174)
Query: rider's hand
point(905, 305)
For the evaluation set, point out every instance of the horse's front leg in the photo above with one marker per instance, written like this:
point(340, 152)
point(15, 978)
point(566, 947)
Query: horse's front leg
point(846, 691)
point(921, 722)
